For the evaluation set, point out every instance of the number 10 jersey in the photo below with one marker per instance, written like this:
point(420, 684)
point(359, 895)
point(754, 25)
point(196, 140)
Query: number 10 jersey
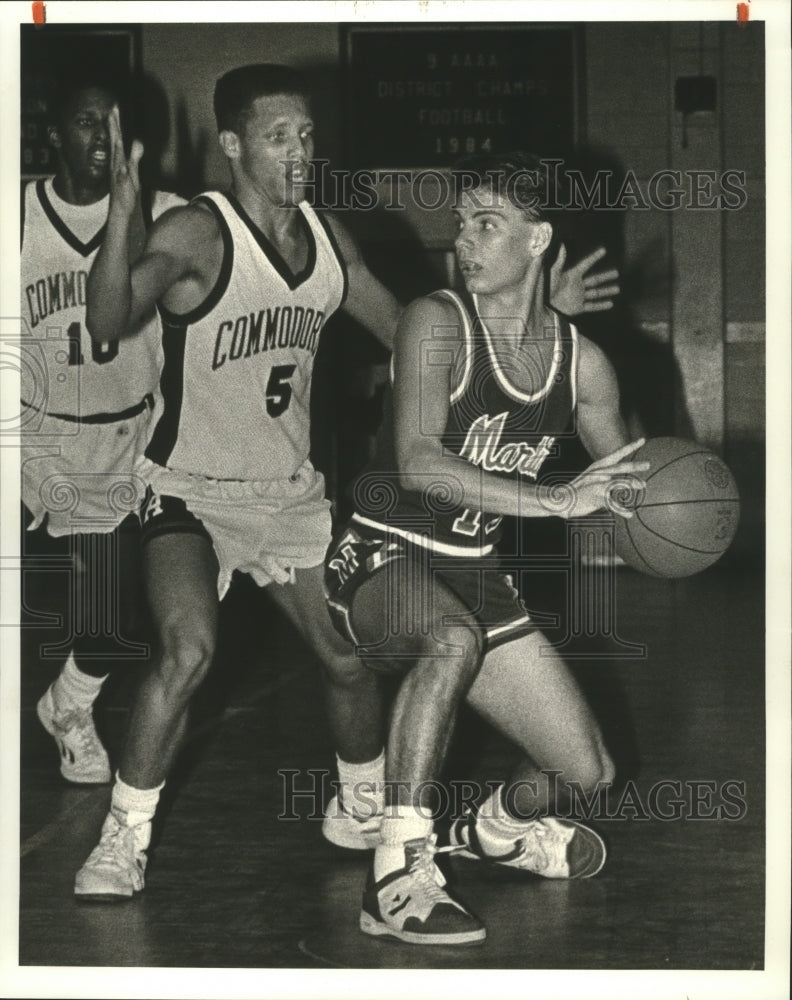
point(235, 388)
point(64, 372)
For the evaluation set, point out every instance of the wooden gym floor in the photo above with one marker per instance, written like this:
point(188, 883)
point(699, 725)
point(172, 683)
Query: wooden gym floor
point(232, 885)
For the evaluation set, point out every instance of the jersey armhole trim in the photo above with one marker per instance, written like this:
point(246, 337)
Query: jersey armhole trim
point(456, 301)
point(147, 207)
point(223, 278)
point(574, 366)
point(331, 236)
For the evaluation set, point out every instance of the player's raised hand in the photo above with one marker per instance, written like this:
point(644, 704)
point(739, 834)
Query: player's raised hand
point(124, 172)
point(574, 290)
point(609, 483)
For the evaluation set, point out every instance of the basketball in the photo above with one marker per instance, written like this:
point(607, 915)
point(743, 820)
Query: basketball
point(686, 518)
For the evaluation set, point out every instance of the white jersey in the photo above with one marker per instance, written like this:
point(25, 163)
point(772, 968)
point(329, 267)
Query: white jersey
point(88, 405)
point(235, 390)
point(68, 374)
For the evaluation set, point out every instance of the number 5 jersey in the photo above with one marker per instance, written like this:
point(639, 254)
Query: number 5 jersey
point(235, 389)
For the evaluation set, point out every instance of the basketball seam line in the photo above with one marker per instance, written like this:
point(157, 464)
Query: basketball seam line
point(638, 552)
point(688, 548)
point(690, 454)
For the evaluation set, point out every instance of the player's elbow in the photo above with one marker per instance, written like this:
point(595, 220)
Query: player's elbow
point(412, 460)
point(97, 318)
point(96, 325)
point(105, 319)
point(420, 469)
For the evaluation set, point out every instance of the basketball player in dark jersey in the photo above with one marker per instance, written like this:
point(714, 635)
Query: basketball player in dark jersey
point(483, 387)
point(85, 421)
point(245, 282)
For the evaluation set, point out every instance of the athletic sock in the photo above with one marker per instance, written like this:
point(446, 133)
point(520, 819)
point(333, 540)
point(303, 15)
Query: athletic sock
point(74, 689)
point(362, 786)
point(493, 819)
point(401, 823)
point(132, 806)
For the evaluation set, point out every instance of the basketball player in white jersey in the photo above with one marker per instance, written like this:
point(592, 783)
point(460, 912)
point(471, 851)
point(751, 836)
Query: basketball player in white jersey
point(86, 407)
point(244, 282)
point(413, 580)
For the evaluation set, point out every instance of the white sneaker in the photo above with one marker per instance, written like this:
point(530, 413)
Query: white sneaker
point(345, 830)
point(115, 867)
point(548, 846)
point(411, 904)
point(83, 758)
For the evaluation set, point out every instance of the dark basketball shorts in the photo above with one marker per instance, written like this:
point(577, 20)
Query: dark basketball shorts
point(164, 515)
point(409, 576)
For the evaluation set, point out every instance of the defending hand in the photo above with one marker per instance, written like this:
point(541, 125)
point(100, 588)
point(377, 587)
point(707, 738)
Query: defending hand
point(124, 173)
point(574, 290)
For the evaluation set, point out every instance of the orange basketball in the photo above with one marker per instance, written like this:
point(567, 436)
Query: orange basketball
point(687, 516)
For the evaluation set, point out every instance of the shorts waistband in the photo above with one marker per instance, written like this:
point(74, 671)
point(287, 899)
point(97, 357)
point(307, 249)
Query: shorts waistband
point(443, 548)
point(98, 418)
point(189, 485)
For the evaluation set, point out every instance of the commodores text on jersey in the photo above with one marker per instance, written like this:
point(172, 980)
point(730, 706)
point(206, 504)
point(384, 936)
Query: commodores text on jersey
point(252, 333)
point(54, 293)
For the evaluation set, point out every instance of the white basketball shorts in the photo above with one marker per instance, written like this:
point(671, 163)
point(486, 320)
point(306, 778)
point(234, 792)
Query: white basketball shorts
point(264, 528)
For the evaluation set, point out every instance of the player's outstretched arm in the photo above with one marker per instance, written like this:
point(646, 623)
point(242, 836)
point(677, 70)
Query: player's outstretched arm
point(600, 425)
point(120, 294)
point(368, 301)
point(575, 290)
point(183, 249)
point(108, 293)
point(604, 436)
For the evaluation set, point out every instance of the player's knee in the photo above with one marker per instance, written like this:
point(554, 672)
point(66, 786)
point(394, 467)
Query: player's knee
point(465, 644)
point(449, 652)
point(344, 668)
point(186, 657)
point(595, 772)
point(607, 767)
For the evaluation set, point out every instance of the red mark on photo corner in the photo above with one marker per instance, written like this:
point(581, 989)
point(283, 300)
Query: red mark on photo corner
point(744, 12)
point(39, 12)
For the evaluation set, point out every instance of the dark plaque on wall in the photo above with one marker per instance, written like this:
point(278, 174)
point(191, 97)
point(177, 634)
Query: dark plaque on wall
point(53, 53)
point(421, 96)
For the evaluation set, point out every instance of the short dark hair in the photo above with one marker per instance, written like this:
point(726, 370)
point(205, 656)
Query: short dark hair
point(69, 84)
point(520, 177)
point(236, 91)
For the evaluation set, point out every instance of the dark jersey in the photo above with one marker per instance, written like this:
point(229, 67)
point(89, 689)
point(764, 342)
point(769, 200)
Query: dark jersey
point(504, 430)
